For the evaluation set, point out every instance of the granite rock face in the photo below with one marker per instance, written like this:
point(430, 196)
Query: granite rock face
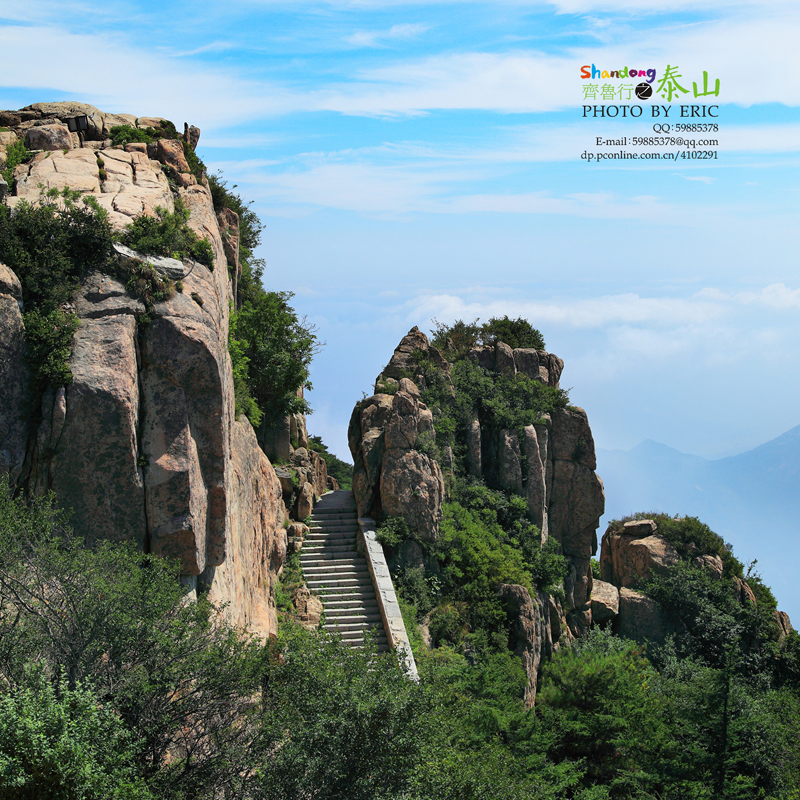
point(14, 378)
point(641, 618)
point(391, 476)
point(629, 558)
point(142, 445)
point(532, 630)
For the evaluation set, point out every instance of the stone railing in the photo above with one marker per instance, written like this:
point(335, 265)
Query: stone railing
point(384, 591)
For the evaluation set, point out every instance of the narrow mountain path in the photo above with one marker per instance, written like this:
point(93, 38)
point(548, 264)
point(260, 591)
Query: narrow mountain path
point(337, 574)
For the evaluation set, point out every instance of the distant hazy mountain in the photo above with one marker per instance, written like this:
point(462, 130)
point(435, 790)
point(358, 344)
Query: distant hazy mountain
point(752, 500)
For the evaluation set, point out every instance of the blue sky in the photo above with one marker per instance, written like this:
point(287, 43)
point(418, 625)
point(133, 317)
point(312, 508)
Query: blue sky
point(414, 160)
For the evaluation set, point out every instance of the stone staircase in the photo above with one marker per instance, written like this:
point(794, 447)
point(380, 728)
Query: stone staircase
point(337, 574)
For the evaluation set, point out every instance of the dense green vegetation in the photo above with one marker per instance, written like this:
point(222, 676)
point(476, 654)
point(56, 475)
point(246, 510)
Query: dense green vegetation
point(167, 234)
point(457, 339)
point(16, 154)
point(271, 346)
point(341, 470)
point(113, 686)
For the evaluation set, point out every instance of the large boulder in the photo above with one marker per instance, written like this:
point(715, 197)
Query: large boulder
point(641, 618)
point(412, 487)
point(605, 601)
point(629, 558)
point(390, 476)
point(48, 137)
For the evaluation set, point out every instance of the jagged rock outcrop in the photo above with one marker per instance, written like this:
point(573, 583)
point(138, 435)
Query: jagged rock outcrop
point(142, 445)
point(532, 624)
point(631, 557)
point(536, 364)
point(552, 465)
point(391, 476)
point(403, 363)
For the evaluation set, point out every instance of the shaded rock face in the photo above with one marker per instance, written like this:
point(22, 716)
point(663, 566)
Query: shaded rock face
point(641, 618)
point(142, 445)
point(14, 378)
point(532, 629)
point(390, 476)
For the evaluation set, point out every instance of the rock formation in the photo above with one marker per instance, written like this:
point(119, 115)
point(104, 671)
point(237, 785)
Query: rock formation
point(390, 475)
point(552, 465)
point(142, 445)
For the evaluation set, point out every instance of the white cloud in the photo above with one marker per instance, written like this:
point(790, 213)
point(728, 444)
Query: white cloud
point(775, 296)
point(600, 312)
point(407, 30)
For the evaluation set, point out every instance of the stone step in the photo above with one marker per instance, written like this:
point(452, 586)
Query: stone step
point(352, 623)
point(348, 594)
point(352, 633)
point(323, 547)
point(331, 566)
point(332, 560)
point(324, 558)
point(339, 583)
point(334, 514)
point(334, 525)
point(347, 609)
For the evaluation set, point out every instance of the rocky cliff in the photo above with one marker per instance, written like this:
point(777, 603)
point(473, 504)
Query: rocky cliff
point(551, 465)
point(142, 445)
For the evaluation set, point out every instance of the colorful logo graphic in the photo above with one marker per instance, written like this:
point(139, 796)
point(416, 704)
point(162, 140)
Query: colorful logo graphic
point(668, 86)
point(648, 74)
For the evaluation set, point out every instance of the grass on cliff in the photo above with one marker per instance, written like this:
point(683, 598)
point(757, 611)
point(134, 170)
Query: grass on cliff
point(121, 135)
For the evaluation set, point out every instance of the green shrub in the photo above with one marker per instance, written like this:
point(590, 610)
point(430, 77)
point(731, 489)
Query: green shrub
point(57, 741)
point(456, 340)
point(49, 246)
point(448, 623)
point(121, 135)
point(49, 336)
point(167, 234)
point(16, 154)
point(341, 470)
point(145, 282)
point(393, 531)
